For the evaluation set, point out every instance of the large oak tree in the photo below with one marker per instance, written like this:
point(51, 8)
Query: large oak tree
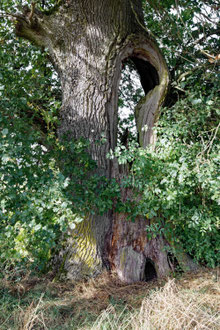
point(88, 41)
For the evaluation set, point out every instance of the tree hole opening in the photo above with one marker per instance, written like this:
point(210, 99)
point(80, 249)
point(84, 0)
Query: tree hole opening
point(138, 77)
point(149, 270)
point(130, 93)
point(148, 74)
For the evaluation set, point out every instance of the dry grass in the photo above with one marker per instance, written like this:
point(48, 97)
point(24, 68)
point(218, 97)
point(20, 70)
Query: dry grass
point(191, 302)
point(31, 316)
point(167, 308)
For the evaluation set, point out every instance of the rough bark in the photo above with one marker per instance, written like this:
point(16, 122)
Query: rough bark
point(88, 40)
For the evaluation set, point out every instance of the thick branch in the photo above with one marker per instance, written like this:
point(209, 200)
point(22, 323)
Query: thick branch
point(37, 26)
point(29, 25)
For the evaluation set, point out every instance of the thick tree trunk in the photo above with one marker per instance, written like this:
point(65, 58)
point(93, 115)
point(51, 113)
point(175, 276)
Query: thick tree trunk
point(88, 40)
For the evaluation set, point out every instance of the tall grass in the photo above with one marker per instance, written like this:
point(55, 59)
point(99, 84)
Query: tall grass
point(191, 302)
point(168, 308)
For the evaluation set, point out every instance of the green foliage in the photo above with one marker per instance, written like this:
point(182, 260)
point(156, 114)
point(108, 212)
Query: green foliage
point(34, 211)
point(183, 171)
point(87, 191)
point(14, 5)
point(46, 186)
point(188, 35)
point(39, 201)
point(176, 183)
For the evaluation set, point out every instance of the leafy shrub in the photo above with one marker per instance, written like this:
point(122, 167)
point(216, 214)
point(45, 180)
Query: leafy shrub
point(176, 183)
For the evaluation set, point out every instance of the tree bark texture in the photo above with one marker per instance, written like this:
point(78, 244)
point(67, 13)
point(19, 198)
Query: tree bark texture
point(87, 41)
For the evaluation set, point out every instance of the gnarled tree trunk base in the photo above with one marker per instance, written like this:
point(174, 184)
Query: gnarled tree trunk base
point(131, 253)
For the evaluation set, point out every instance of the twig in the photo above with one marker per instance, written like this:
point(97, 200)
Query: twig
point(184, 74)
point(33, 4)
point(211, 143)
point(207, 54)
point(180, 89)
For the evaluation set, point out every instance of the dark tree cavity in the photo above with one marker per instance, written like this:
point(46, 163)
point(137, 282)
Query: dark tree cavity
point(148, 74)
point(87, 42)
point(149, 271)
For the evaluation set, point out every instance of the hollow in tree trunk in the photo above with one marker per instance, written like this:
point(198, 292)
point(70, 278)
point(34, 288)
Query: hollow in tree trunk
point(87, 42)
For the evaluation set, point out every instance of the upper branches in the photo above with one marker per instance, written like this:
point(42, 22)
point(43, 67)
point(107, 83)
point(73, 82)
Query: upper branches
point(33, 24)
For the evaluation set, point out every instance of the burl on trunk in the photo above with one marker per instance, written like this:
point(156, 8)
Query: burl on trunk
point(87, 41)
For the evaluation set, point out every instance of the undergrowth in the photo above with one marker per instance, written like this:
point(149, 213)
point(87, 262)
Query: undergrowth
point(190, 302)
